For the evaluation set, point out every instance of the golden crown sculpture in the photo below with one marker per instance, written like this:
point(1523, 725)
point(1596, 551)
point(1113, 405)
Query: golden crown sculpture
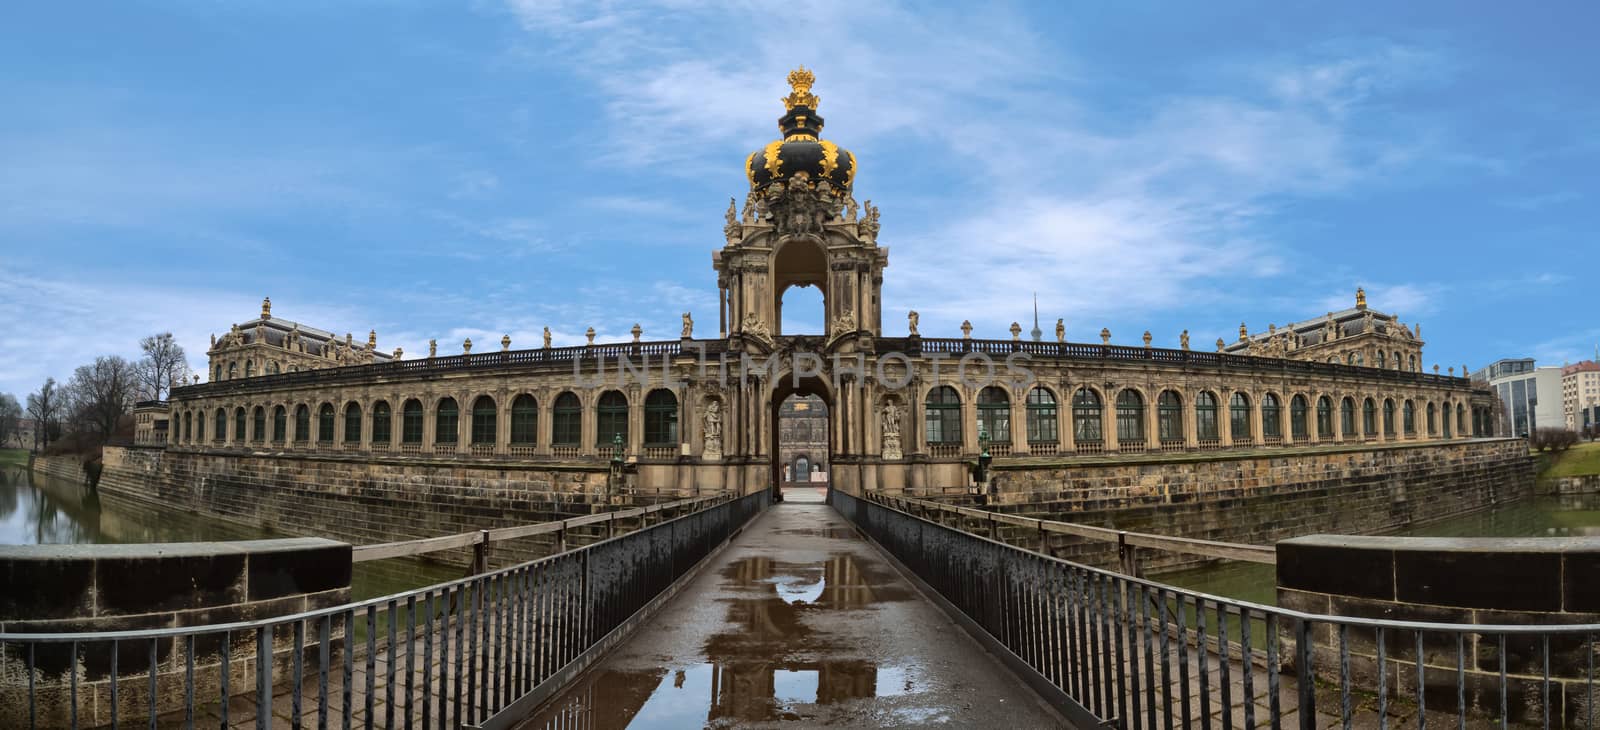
point(801, 80)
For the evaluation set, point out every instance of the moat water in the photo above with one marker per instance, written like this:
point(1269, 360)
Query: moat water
point(43, 510)
point(1568, 516)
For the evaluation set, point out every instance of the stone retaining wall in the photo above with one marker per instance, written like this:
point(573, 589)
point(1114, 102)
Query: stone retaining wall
point(1262, 499)
point(67, 467)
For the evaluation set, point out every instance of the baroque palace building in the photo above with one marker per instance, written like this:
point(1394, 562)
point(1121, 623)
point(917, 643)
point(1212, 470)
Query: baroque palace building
point(902, 410)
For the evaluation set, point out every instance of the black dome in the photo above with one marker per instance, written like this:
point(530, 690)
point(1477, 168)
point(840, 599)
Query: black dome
point(801, 149)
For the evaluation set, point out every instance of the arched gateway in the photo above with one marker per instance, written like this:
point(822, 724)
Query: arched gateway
point(903, 412)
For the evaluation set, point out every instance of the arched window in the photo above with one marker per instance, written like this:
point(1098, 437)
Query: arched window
point(1205, 416)
point(233, 370)
point(524, 420)
point(1388, 417)
point(1432, 429)
point(1086, 423)
point(200, 424)
point(942, 416)
point(1350, 359)
point(446, 422)
point(325, 424)
point(1042, 423)
point(280, 423)
point(218, 375)
point(1461, 420)
point(1409, 414)
point(1347, 414)
point(272, 367)
point(661, 418)
point(249, 368)
point(383, 422)
point(1169, 416)
point(1413, 364)
point(1130, 417)
point(302, 423)
point(1383, 361)
point(1361, 359)
point(188, 427)
point(352, 423)
point(411, 422)
point(611, 419)
point(1271, 416)
point(566, 420)
point(1445, 416)
point(259, 427)
point(484, 420)
point(1298, 408)
point(219, 430)
point(994, 415)
point(1399, 364)
point(1369, 417)
point(1324, 417)
point(1239, 417)
point(238, 425)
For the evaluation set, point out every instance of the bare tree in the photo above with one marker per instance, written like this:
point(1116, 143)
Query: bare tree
point(101, 394)
point(10, 411)
point(164, 365)
point(45, 407)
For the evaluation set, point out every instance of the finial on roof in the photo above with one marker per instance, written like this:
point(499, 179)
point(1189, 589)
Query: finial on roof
point(372, 339)
point(1361, 298)
point(800, 80)
point(1244, 332)
point(266, 308)
point(505, 343)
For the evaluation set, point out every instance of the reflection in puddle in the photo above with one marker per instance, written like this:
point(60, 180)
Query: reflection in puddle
point(761, 666)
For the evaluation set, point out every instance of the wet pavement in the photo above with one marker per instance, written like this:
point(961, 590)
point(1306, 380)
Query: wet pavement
point(799, 622)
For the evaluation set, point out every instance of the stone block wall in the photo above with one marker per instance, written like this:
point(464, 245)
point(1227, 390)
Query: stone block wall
point(69, 468)
point(1530, 581)
point(1262, 499)
point(79, 588)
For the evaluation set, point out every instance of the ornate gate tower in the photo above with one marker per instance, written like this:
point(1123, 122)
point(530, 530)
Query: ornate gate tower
point(800, 226)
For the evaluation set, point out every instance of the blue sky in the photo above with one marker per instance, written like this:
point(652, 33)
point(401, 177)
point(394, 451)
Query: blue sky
point(445, 170)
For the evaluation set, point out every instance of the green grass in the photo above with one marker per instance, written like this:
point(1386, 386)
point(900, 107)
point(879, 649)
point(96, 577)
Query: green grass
point(16, 457)
point(1580, 460)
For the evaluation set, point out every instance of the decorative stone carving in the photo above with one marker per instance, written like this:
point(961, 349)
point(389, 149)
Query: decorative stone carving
point(1061, 330)
point(433, 348)
point(505, 343)
point(547, 338)
point(688, 326)
point(1183, 340)
point(868, 226)
point(1244, 332)
point(711, 425)
point(911, 322)
point(1016, 332)
point(732, 230)
point(590, 334)
point(799, 209)
point(891, 430)
point(466, 346)
point(753, 327)
point(1147, 339)
point(851, 209)
point(1105, 335)
point(636, 331)
point(845, 324)
point(399, 353)
point(1220, 344)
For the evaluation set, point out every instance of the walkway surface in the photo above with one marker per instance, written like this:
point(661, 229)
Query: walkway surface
point(798, 622)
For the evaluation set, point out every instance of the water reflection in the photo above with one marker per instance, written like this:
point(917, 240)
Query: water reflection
point(764, 664)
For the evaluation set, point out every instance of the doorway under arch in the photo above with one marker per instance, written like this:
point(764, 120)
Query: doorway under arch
point(801, 439)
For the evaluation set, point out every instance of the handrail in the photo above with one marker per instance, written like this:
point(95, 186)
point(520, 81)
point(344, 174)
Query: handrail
point(1186, 545)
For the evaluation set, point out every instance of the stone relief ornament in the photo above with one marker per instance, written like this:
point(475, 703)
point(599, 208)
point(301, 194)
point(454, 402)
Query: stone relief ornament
point(869, 223)
point(711, 424)
point(891, 430)
point(845, 324)
point(688, 326)
point(754, 327)
point(851, 209)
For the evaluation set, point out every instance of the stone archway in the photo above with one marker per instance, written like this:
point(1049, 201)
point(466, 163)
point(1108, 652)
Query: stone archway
point(795, 421)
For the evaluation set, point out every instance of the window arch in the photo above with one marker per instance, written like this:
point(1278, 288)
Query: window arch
point(200, 425)
point(382, 423)
point(611, 419)
point(188, 427)
point(352, 423)
point(238, 425)
point(1169, 416)
point(411, 422)
point(1383, 360)
point(1298, 409)
point(1461, 420)
point(1086, 414)
point(1432, 429)
point(218, 372)
point(259, 427)
point(942, 416)
point(661, 418)
point(249, 368)
point(1399, 363)
point(524, 420)
point(219, 430)
point(1130, 417)
point(1324, 417)
point(446, 421)
point(302, 423)
point(1445, 416)
point(325, 424)
point(233, 370)
point(1271, 416)
point(1412, 361)
point(1347, 414)
point(280, 423)
point(1205, 416)
point(1369, 417)
point(994, 414)
point(484, 420)
point(1408, 413)
point(1042, 423)
point(566, 420)
point(1239, 417)
point(1388, 417)
point(272, 367)
point(1350, 359)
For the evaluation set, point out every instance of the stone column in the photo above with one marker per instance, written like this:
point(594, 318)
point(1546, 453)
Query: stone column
point(544, 431)
point(635, 441)
point(969, 420)
point(502, 429)
point(1108, 422)
point(1019, 423)
point(1069, 439)
point(589, 422)
point(1152, 423)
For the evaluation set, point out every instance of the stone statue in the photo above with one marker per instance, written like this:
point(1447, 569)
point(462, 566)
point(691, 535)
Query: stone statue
point(1183, 340)
point(1016, 332)
point(851, 209)
point(433, 348)
point(966, 329)
point(891, 430)
point(1244, 332)
point(711, 423)
point(547, 338)
point(1147, 339)
point(399, 352)
point(1061, 330)
point(869, 223)
point(1105, 335)
point(1220, 344)
point(589, 333)
point(688, 326)
point(747, 215)
point(845, 324)
point(731, 229)
point(637, 331)
point(466, 346)
point(753, 327)
point(911, 322)
point(505, 343)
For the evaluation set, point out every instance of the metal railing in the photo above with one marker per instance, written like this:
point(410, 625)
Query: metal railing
point(1112, 650)
point(480, 651)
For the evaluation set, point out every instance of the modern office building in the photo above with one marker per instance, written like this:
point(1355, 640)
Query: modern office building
point(1530, 395)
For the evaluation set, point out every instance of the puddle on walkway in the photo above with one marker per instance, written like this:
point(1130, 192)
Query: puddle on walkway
point(832, 533)
point(762, 665)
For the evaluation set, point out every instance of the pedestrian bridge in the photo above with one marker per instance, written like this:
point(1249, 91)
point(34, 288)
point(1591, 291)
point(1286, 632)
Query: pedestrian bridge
point(824, 610)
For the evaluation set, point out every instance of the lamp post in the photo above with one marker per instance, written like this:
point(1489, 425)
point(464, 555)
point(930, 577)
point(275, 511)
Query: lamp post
point(616, 464)
point(980, 472)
